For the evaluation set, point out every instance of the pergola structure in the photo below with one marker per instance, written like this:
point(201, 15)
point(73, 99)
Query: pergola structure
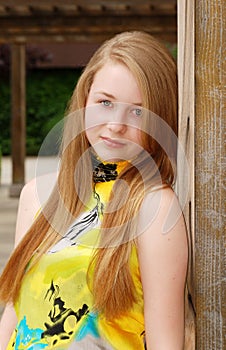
point(84, 20)
point(201, 54)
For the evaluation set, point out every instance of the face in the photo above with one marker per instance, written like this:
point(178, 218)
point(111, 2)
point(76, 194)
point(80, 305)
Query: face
point(113, 114)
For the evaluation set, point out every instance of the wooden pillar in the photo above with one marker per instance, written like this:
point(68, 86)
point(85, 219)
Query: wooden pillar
point(186, 127)
point(201, 133)
point(18, 126)
point(210, 175)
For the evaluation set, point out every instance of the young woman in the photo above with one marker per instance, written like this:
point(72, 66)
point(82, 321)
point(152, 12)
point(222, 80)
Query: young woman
point(103, 264)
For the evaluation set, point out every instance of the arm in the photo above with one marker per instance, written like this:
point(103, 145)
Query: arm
point(28, 206)
point(163, 254)
point(7, 325)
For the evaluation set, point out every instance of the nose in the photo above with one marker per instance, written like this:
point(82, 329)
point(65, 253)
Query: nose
point(117, 123)
point(116, 127)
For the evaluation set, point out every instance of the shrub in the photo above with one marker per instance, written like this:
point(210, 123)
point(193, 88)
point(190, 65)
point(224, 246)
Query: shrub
point(47, 95)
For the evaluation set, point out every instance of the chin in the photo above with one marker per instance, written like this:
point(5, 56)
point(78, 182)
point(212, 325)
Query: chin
point(114, 156)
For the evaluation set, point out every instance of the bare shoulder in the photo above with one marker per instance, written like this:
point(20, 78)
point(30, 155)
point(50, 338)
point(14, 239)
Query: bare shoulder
point(33, 196)
point(161, 229)
point(28, 193)
point(160, 210)
point(28, 206)
point(162, 239)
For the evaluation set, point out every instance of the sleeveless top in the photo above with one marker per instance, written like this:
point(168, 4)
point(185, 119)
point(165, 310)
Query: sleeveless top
point(55, 304)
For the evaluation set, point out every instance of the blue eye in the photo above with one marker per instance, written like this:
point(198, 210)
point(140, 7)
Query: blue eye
point(107, 103)
point(138, 112)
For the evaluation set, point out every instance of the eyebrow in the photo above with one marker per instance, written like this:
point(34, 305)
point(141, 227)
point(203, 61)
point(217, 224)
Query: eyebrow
point(113, 97)
point(106, 94)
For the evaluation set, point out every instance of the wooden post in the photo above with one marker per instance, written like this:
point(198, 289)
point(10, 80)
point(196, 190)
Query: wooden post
point(201, 129)
point(186, 126)
point(210, 175)
point(18, 126)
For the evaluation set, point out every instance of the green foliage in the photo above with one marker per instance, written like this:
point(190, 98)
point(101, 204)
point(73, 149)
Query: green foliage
point(172, 49)
point(48, 92)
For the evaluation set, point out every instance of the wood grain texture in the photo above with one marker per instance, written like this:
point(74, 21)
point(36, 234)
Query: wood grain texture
point(185, 182)
point(210, 175)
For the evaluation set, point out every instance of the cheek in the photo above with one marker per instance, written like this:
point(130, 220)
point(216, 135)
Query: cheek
point(89, 124)
point(135, 135)
point(92, 134)
point(89, 134)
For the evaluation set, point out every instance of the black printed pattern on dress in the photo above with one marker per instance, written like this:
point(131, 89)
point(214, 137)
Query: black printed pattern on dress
point(59, 314)
point(80, 226)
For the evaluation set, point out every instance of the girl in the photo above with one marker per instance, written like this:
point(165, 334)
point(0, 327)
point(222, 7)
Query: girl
point(103, 265)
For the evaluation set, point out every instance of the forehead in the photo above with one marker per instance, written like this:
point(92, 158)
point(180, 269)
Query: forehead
point(116, 80)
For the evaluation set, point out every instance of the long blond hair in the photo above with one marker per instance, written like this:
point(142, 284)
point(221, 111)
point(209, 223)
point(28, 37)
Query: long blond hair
point(111, 280)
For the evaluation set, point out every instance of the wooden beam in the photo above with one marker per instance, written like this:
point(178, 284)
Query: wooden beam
point(144, 7)
point(39, 20)
point(18, 102)
point(210, 175)
point(58, 28)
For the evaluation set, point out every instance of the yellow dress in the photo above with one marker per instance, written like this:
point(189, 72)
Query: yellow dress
point(55, 305)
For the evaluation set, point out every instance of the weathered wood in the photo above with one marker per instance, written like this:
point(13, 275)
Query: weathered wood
point(185, 182)
point(210, 175)
point(18, 137)
point(186, 126)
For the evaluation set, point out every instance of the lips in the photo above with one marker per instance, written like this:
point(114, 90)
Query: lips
point(110, 142)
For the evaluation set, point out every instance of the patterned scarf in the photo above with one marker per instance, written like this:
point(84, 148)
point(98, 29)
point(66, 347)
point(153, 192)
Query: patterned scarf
point(103, 172)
